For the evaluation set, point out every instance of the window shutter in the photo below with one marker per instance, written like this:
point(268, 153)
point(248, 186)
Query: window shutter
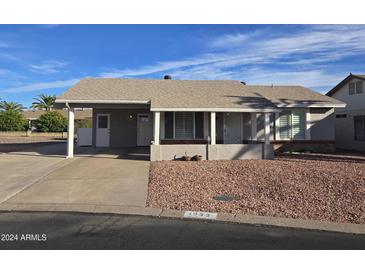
point(285, 124)
point(351, 88)
point(184, 125)
point(359, 87)
point(298, 125)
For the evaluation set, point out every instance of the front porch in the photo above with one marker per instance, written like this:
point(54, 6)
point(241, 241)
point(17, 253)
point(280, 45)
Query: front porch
point(172, 134)
point(213, 135)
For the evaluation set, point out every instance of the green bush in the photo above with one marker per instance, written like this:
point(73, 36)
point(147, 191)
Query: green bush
point(52, 121)
point(11, 120)
point(84, 123)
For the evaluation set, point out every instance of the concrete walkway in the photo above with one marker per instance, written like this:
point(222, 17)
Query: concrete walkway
point(113, 177)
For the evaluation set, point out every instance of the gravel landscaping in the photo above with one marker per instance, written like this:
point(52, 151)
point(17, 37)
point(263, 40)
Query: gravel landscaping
point(317, 187)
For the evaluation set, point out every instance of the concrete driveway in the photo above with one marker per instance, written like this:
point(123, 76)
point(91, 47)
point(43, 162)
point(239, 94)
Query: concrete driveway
point(19, 170)
point(95, 177)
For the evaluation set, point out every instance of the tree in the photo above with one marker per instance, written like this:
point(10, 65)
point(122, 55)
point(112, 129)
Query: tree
point(52, 121)
point(44, 102)
point(4, 106)
point(12, 120)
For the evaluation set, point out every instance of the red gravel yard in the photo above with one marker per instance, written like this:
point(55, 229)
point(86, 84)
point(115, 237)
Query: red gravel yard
point(328, 188)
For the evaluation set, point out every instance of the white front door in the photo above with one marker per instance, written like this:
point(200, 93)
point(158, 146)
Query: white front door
point(102, 130)
point(144, 129)
point(232, 128)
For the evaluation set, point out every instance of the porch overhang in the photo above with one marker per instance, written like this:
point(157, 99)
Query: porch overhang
point(262, 110)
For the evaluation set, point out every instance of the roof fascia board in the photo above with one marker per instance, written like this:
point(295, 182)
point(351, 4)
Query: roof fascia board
point(71, 101)
point(311, 105)
point(217, 109)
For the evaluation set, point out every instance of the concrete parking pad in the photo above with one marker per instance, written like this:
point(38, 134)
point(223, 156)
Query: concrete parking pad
point(114, 177)
point(19, 170)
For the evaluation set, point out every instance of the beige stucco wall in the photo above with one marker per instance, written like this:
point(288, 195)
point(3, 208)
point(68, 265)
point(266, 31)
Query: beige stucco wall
point(322, 124)
point(344, 127)
point(123, 128)
point(212, 152)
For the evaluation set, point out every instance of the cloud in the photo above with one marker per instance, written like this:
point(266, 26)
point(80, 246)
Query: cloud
point(48, 67)
point(298, 56)
point(4, 45)
point(42, 86)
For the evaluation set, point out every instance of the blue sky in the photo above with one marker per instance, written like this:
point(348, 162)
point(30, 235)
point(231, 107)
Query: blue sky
point(37, 59)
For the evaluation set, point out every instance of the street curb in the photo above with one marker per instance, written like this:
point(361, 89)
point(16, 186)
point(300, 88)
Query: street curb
point(178, 214)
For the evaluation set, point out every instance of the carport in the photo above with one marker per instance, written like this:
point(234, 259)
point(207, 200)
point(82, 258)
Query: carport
point(117, 124)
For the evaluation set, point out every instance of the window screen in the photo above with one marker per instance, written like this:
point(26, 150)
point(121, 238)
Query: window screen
point(359, 87)
point(199, 125)
point(351, 88)
point(169, 125)
point(359, 127)
point(102, 121)
point(184, 125)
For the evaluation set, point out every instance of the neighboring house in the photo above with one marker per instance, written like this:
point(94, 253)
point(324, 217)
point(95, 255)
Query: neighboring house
point(350, 121)
point(32, 116)
point(217, 119)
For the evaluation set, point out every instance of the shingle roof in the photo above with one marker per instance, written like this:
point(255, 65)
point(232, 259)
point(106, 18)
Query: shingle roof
point(79, 114)
point(214, 94)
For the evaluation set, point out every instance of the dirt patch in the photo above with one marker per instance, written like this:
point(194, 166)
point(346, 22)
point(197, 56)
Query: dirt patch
point(320, 189)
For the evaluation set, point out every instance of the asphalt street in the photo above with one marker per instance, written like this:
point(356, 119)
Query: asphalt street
point(34, 230)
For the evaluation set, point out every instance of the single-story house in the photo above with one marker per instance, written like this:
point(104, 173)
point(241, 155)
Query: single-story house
point(218, 119)
point(350, 121)
point(33, 115)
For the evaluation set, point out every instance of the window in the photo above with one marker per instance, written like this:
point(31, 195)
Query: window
point(339, 116)
point(351, 88)
point(359, 87)
point(184, 125)
point(284, 123)
point(359, 128)
point(199, 125)
point(292, 125)
point(102, 121)
point(169, 125)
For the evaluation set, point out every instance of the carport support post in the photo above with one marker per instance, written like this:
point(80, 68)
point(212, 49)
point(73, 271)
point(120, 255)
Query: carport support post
point(267, 128)
point(156, 128)
point(70, 133)
point(212, 128)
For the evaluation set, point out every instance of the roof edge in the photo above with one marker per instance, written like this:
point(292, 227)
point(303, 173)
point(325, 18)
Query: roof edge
point(343, 82)
point(73, 101)
point(187, 109)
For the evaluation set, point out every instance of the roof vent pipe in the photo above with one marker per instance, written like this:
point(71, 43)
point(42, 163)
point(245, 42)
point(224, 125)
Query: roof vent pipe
point(167, 77)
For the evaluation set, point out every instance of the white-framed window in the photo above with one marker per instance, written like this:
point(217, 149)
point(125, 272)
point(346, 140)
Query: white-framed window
point(292, 125)
point(184, 125)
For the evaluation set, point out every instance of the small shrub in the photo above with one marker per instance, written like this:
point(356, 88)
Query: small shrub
point(11, 120)
point(85, 123)
point(52, 121)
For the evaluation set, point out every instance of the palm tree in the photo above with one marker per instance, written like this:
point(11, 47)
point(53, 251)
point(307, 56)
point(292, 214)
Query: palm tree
point(11, 106)
point(44, 102)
